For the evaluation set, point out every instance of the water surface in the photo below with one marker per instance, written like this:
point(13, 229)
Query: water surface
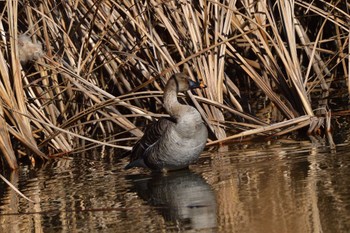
point(284, 186)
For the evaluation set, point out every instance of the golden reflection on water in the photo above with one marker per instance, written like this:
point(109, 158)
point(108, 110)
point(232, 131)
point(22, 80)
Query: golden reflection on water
point(279, 187)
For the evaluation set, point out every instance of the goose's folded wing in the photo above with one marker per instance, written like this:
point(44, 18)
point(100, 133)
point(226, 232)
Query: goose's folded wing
point(151, 135)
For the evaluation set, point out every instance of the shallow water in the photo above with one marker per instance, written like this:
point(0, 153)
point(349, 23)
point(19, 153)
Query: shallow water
point(283, 186)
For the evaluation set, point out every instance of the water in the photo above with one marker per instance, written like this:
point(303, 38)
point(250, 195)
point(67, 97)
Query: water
point(283, 186)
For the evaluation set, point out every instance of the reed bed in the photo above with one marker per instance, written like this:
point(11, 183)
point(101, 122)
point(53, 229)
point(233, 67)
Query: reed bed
point(92, 71)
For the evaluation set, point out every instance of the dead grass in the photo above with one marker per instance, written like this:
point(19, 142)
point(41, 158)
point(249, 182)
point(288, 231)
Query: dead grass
point(86, 70)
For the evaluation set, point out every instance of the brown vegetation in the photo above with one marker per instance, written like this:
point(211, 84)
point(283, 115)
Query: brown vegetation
point(270, 67)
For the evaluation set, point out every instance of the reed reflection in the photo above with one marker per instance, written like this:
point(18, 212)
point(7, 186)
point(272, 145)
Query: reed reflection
point(183, 198)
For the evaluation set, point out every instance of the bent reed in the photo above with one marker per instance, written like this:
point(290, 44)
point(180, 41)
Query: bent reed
point(75, 72)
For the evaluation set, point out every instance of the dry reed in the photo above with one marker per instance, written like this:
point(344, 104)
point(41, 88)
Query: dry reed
point(270, 67)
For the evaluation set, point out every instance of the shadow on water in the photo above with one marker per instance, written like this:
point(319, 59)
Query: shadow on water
point(183, 198)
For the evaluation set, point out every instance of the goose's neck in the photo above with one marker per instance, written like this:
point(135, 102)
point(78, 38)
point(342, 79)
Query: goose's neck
point(171, 102)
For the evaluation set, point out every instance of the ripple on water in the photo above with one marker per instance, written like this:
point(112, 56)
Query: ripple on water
point(283, 186)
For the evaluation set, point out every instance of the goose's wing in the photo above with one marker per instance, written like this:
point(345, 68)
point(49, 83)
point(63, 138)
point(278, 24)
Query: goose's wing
point(151, 135)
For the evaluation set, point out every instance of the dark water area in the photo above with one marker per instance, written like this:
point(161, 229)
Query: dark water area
point(282, 186)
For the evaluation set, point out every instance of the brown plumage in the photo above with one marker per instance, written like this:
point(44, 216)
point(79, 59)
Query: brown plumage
point(172, 143)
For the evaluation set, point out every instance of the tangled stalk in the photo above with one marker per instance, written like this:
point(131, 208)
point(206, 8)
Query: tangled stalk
point(74, 71)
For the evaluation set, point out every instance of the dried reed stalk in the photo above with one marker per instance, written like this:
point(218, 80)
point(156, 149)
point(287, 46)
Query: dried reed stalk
point(96, 68)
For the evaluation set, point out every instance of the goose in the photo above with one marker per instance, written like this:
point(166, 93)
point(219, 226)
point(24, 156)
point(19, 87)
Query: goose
point(172, 143)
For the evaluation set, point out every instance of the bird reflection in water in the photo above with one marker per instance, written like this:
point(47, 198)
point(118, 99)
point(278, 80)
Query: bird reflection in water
point(183, 198)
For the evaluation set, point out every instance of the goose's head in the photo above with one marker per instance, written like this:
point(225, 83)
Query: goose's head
point(183, 83)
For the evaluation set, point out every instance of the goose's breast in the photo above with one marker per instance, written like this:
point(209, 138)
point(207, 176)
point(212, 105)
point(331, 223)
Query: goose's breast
point(176, 148)
point(183, 150)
